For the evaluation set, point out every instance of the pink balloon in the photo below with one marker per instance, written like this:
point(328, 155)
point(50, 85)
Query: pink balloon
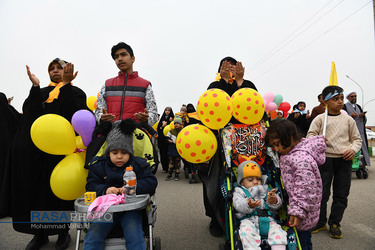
point(83, 122)
point(268, 97)
point(265, 106)
point(272, 106)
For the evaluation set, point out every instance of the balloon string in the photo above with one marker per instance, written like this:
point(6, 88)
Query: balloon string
point(79, 150)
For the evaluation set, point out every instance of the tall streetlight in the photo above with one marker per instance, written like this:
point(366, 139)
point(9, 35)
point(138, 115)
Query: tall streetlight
point(363, 97)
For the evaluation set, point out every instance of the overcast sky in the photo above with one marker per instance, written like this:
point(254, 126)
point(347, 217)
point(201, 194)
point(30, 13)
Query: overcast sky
point(286, 46)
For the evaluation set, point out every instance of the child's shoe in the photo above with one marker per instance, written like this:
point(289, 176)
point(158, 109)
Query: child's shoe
point(177, 177)
point(318, 228)
point(335, 232)
point(169, 177)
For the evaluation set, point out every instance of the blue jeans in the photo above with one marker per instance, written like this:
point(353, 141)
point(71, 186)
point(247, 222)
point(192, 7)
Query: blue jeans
point(131, 223)
point(305, 239)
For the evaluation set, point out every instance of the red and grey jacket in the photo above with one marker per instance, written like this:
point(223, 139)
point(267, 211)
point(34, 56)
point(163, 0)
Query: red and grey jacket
point(126, 93)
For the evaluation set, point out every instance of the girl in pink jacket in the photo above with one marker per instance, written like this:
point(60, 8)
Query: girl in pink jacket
point(299, 161)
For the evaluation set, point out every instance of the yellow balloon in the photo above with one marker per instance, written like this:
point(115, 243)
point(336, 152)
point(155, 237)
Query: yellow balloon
point(248, 106)
point(196, 143)
point(53, 134)
point(68, 178)
point(166, 129)
point(171, 125)
point(79, 143)
point(155, 126)
point(214, 108)
point(90, 102)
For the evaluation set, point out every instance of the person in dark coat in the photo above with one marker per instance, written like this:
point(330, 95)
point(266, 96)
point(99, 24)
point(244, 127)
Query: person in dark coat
point(8, 125)
point(106, 177)
point(32, 168)
point(230, 78)
point(192, 115)
point(300, 117)
point(166, 118)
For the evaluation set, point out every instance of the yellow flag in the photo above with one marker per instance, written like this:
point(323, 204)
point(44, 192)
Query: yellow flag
point(333, 77)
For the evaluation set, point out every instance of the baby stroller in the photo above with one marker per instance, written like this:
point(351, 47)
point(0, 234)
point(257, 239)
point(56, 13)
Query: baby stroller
point(359, 167)
point(191, 171)
point(115, 239)
point(238, 142)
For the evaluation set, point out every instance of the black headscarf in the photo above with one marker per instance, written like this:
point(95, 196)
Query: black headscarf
point(229, 59)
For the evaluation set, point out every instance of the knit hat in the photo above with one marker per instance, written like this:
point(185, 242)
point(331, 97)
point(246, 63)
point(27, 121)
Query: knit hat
point(121, 136)
point(280, 111)
point(177, 119)
point(247, 169)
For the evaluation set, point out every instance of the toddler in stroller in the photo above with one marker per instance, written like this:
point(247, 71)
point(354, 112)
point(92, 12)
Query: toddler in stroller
point(106, 178)
point(239, 144)
point(255, 205)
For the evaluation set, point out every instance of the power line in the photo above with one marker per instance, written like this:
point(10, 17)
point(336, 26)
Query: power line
point(280, 46)
point(307, 45)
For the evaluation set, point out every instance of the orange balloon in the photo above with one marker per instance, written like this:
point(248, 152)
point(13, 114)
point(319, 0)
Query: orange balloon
point(273, 114)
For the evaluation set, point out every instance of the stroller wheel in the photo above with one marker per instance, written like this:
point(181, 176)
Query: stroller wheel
point(186, 172)
point(222, 246)
point(365, 173)
point(359, 174)
point(157, 243)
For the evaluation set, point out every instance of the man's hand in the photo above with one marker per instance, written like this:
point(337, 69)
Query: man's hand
point(348, 155)
point(32, 77)
point(107, 117)
point(142, 117)
point(68, 75)
point(253, 204)
point(239, 73)
point(354, 114)
point(294, 221)
point(113, 190)
point(363, 113)
point(225, 71)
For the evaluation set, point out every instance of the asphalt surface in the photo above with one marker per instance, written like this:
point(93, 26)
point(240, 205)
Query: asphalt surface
point(181, 223)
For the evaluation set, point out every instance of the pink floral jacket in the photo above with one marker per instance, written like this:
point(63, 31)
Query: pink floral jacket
point(302, 181)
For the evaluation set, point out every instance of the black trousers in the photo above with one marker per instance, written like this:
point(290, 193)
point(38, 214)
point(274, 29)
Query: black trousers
point(338, 173)
point(163, 150)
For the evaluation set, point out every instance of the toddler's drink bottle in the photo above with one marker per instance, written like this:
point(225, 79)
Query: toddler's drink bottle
point(130, 182)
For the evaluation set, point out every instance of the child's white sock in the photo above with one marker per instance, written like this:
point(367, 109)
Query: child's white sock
point(278, 247)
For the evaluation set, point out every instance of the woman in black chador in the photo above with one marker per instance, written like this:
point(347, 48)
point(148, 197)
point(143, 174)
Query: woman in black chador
point(8, 126)
point(32, 168)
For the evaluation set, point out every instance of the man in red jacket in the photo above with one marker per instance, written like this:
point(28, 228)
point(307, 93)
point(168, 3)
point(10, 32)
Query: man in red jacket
point(126, 95)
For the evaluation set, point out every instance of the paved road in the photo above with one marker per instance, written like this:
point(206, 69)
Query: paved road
point(181, 222)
